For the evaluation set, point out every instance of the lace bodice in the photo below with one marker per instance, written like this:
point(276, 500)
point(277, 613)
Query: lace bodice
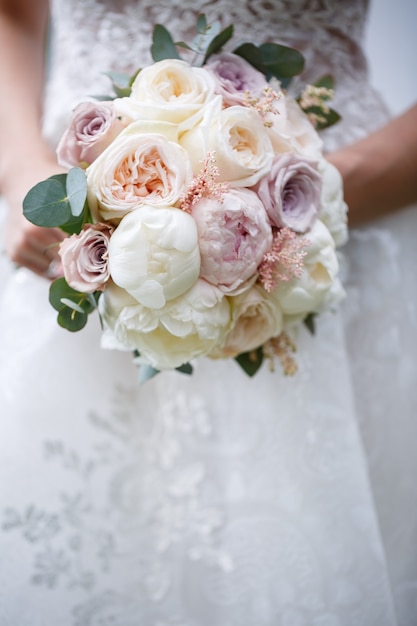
point(116, 35)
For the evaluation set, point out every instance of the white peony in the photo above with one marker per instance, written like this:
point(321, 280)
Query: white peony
point(154, 254)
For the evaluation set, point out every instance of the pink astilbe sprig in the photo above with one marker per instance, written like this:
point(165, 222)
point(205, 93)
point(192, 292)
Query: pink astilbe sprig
point(264, 105)
point(204, 185)
point(284, 260)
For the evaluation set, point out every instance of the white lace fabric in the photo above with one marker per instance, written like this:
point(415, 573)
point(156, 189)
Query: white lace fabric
point(212, 500)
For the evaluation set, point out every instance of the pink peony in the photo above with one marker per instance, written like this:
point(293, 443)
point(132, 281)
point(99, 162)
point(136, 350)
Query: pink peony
point(234, 234)
point(291, 192)
point(93, 127)
point(237, 80)
point(85, 258)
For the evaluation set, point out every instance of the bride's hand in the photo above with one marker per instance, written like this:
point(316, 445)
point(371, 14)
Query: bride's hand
point(28, 245)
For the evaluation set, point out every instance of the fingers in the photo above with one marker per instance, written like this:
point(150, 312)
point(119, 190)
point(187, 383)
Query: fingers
point(37, 249)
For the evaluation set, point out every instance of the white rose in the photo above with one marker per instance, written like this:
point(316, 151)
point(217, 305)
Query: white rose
point(319, 287)
point(185, 328)
point(334, 209)
point(290, 129)
point(239, 140)
point(256, 317)
point(169, 90)
point(154, 254)
point(143, 165)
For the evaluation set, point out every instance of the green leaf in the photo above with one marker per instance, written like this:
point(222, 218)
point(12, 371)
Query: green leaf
point(331, 117)
point(310, 322)
point(119, 79)
point(326, 81)
point(201, 23)
point(46, 204)
point(251, 361)
point(76, 187)
point(185, 368)
point(281, 61)
point(60, 294)
point(252, 55)
point(186, 46)
point(146, 372)
point(73, 306)
point(218, 42)
point(163, 46)
point(72, 320)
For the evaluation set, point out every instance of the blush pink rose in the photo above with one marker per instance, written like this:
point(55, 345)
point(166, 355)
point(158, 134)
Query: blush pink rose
point(236, 79)
point(234, 233)
point(85, 258)
point(93, 127)
point(291, 192)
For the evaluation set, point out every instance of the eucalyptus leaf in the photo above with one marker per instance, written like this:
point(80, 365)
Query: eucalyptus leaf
point(146, 372)
point(310, 322)
point(46, 204)
point(185, 368)
point(252, 55)
point(61, 294)
point(72, 305)
point(76, 187)
point(218, 42)
point(250, 362)
point(72, 320)
point(331, 117)
point(122, 92)
point(163, 46)
point(326, 81)
point(201, 23)
point(120, 79)
point(281, 61)
point(186, 46)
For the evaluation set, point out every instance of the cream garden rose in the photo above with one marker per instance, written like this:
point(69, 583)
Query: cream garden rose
point(169, 90)
point(144, 164)
point(154, 254)
point(239, 140)
point(256, 317)
point(291, 131)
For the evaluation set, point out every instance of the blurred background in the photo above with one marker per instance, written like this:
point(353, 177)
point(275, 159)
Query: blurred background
point(391, 45)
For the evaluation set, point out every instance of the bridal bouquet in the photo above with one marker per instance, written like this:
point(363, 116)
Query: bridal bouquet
point(202, 216)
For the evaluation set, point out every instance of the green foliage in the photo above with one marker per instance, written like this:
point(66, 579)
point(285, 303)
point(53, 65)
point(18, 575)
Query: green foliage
point(209, 40)
point(310, 322)
point(273, 60)
point(59, 201)
point(186, 368)
point(163, 46)
point(146, 372)
point(217, 43)
point(73, 306)
point(320, 111)
point(251, 361)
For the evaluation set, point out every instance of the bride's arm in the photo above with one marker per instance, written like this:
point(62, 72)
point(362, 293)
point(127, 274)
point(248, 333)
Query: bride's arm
point(25, 158)
point(380, 171)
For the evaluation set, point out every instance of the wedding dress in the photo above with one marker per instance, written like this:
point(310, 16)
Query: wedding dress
point(212, 499)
